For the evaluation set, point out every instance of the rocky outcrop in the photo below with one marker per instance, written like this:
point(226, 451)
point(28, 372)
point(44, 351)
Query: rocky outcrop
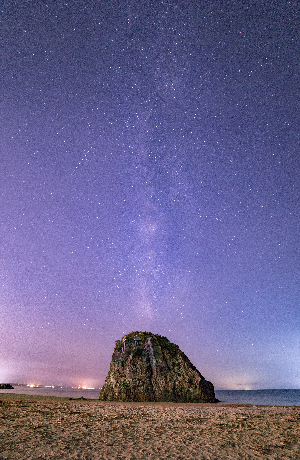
point(147, 367)
point(6, 386)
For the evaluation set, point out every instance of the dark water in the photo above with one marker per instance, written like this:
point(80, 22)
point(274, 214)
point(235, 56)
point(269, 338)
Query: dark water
point(254, 397)
point(60, 392)
point(260, 397)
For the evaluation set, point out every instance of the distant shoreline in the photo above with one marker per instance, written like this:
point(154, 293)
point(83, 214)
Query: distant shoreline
point(240, 397)
point(15, 396)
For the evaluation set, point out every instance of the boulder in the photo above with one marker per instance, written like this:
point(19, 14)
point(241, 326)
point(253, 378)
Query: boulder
point(148, 367)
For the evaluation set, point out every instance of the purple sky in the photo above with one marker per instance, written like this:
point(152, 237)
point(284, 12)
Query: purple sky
point(149, 180)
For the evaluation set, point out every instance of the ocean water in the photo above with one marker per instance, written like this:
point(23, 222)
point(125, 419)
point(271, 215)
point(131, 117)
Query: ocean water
point(253, 397)
point(57, 391)
point(260, 397)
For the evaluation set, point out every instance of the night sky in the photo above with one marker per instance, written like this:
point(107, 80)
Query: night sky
point(150, 180)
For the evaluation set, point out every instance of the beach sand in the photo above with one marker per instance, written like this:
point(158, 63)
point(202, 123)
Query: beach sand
point(54, 428)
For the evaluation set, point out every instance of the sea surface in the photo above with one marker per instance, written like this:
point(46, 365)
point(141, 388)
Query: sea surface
point(253, 397)
point(260, 397)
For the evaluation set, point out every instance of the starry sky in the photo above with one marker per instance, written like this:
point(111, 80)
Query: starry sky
point(150, 180)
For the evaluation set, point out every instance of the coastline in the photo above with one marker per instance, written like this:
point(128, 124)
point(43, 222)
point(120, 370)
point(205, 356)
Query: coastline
point(37, 398)
point(51, 427)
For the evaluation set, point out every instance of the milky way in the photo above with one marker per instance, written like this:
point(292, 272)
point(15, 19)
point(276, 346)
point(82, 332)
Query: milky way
point(149, 180)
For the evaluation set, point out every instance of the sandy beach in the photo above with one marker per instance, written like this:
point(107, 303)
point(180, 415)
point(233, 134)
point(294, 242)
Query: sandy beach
point(55, 428)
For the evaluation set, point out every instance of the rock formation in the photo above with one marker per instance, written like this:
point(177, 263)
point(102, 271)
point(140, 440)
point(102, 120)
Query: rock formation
point(147, 367)
point(6, 386)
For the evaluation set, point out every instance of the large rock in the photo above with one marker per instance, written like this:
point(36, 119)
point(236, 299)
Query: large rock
point(147, 367)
